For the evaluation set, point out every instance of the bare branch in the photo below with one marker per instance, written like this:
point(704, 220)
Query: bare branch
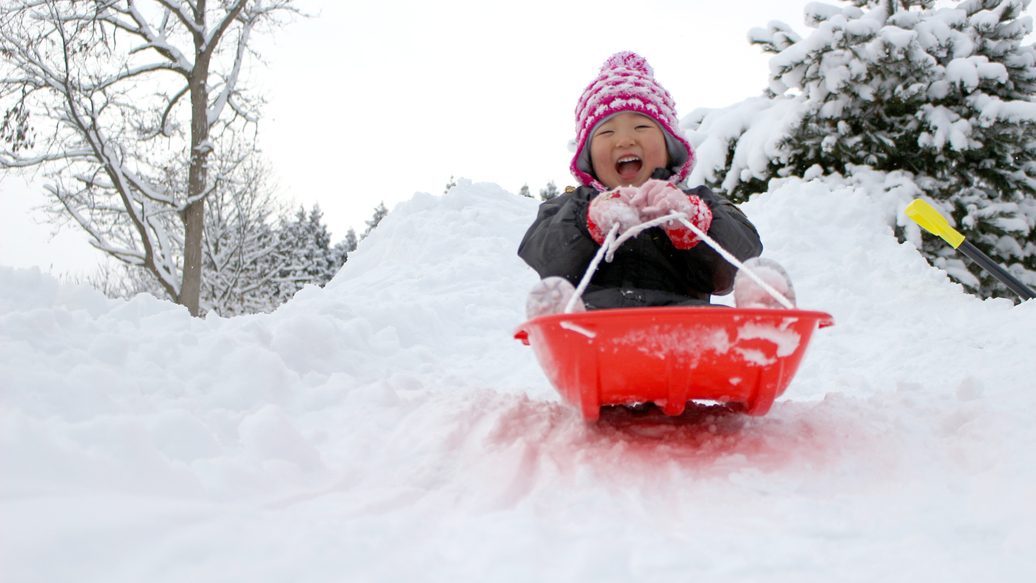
point(165, 114)
point(209, 44)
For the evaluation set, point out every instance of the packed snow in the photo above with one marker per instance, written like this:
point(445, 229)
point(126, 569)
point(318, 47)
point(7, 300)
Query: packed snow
point(389, 428)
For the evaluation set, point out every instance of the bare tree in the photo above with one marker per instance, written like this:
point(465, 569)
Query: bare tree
point(113, 97)
point(241, 250)
point(116, 280)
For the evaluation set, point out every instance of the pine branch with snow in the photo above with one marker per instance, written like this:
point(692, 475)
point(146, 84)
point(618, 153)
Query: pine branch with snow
point(944, 96)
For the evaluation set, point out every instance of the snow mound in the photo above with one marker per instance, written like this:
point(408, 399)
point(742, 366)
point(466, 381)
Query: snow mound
point(388, 427)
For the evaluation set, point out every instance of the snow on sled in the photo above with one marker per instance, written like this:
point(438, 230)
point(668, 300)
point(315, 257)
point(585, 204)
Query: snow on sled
point(671, 355)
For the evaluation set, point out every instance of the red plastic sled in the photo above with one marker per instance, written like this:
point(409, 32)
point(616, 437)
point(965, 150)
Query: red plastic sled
point(671, 355)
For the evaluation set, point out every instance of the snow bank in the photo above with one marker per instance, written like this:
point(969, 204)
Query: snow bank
point(387, 427)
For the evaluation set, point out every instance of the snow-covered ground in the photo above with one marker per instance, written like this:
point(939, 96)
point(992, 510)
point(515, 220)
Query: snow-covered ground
point(388, 427)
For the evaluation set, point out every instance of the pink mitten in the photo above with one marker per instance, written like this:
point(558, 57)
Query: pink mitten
point(609, 208)
point(657, 198)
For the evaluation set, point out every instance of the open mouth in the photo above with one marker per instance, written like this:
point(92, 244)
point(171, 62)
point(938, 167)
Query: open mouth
point(628, 166)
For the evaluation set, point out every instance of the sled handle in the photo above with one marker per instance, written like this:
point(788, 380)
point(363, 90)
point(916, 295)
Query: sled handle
point(930, 220)
point(609, 241)
point(611, 244)
point(734, 261)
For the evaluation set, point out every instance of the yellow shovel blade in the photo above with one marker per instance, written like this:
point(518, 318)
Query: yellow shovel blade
point(923, 214)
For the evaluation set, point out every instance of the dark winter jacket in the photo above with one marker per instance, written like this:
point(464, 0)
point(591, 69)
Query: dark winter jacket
point(647, 270)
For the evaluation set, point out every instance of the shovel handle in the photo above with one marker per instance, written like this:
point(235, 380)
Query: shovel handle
point(1012, 283)
point(925, 215)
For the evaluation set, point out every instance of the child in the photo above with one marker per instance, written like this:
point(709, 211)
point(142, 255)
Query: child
point(629, 156)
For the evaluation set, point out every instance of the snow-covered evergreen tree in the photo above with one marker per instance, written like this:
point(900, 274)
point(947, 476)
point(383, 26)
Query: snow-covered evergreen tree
point(943, 98)
point(550, 192)
point(350, 241)
point(304, 255)
point(379, 213)
point(525, 191)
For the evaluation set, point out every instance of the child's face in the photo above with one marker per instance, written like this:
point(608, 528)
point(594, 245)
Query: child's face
point(627, 149)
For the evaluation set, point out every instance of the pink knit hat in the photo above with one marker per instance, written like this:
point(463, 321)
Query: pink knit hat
point(627, 83)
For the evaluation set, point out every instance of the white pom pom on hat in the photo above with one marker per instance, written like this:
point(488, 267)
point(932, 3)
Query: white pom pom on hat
point(627, 82)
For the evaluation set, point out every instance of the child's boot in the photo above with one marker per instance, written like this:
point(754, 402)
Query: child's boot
point(749, 294)
point(550, 296)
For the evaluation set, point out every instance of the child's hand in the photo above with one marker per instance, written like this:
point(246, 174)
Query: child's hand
point(657, 198)
point(609, 208)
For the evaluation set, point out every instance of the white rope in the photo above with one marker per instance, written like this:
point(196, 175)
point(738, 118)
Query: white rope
point(733, 260)
point(633, 232)
point(608, 241)
point(611, 244)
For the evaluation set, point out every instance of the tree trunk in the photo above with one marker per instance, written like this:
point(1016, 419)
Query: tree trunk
point(194, 226)
point(194, 213)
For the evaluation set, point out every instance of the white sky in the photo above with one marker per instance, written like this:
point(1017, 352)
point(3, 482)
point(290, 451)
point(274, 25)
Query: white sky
point(409, 93)
point(374, 101)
